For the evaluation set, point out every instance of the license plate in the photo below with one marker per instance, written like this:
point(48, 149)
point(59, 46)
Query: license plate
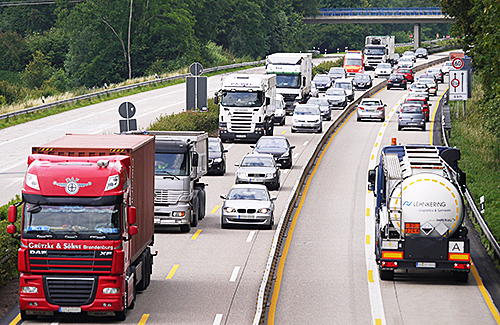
point(241, 135)
point(429, 265)
point(411, 123)
point(72, 310)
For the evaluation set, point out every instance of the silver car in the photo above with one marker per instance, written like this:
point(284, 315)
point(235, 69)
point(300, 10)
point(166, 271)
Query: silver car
point(257, 168)
point(307, 117)
point(371, 108)
point(336, 97)
point(383, 70)
point(411, 115)
point(324, 107)
point(248, 204)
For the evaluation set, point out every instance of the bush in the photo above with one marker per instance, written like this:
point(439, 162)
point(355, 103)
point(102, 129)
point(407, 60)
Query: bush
point(8, 245)
point(324, 67)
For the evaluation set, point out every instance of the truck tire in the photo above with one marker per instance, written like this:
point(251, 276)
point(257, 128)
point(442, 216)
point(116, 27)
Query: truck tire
point(146, 271)
point(387, 275)
point(27, 317)
point(185, 228)
point(461, 277)
point(194, 210)
point(202, 200)
point(134, 289)
point(121, 315)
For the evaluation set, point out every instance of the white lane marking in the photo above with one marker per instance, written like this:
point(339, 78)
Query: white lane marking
point(305, 143)
point(295, 155)
point(234, 275)
point(218, 319)
point(229, 146)
point(250, 236)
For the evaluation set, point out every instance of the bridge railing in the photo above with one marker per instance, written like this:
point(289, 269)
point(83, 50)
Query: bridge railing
point(424, 11)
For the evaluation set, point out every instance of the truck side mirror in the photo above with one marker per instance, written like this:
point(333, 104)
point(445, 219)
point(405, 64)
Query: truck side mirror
point(131, 215)
point(133, 230)
point(303, 81)
point(11, 229)
point(372, 175)
point(268, 101)
point(216, 99)
point(12, 214)
point(195, 159)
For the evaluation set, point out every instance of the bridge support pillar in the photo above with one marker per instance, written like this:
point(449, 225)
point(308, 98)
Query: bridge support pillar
point(417, 36)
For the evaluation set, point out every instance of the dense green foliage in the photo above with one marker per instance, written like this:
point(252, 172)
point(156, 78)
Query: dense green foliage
point(324, 67)
point(8, 245)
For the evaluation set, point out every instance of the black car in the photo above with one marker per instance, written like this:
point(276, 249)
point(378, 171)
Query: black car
point(397, 80)
point(278, 146)
point(216, 157)
point(362, 81)
point(322, 82)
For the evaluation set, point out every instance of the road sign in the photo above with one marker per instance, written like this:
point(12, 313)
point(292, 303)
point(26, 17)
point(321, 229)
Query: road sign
point(196, 69)
point(127, 110)
point(457, 63)
point(459, 88)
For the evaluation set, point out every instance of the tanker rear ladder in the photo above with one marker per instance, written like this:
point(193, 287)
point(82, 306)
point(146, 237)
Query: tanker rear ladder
point(394, 175)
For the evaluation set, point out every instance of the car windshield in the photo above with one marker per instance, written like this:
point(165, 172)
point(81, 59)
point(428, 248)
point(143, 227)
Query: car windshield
point(423, 51)
point(352, 61)
point(405, 58)
point(343, 85)
point(242, 99)
point(287, 81)
point(408, 53)
point(321, 78)
point(271, 143)
point(257, 162)
point(170, 164)
point(419, 86)
point(426, 80)
point(71, 218)
point(320, 101)
point(361, 77)
point(305, 110)
point(213, 146)
point(383, 66)
point(370, 103)
point(412, 109)
point(248, 194)
point(335, 92)
point(404, 70)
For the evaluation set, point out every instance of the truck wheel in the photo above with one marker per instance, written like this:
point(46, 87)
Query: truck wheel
point(185, 228)
point(194, 210)
point(121, 315)
point(134, 291)
point(461, 277)
point(27, 317)
point(201, 202)
point(387, 275)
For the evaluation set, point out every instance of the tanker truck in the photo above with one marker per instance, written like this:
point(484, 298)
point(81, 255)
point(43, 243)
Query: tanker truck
point(86, 225)
point(419, 214)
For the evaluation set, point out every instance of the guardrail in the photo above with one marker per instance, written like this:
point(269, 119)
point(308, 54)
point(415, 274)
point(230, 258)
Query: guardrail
point(470, 200)
point(429, 11)
point(119, 89)
point(267, 283)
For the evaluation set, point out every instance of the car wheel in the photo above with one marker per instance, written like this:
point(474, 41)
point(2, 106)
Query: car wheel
point(293, 131)
point(423, 128)
point(358, 118)
point(320, 130)
point(388, 88)
point(382, 119)
point(399, 128)
point(222, 224)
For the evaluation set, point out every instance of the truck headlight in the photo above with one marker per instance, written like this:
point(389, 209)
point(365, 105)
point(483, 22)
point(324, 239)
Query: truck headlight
point(113, 182)
point(32, 181)
point(110, 291)
point(230, 210)
point(29, 289)
point(218, 160)
point(178, 214)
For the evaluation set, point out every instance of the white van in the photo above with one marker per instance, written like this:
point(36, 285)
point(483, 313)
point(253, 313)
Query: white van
point(347, 85)
point(280, 113)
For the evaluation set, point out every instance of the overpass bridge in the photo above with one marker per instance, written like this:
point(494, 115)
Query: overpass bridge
point(416, 16)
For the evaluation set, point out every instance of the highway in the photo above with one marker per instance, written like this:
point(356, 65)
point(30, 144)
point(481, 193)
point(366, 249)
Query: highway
point(212, 276)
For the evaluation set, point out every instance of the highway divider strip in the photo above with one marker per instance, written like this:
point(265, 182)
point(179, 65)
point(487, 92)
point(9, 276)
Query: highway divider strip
point(269, 276)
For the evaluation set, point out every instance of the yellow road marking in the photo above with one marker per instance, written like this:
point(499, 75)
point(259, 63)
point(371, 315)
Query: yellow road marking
point(215, 209)
point(378, 321)
point(431, 141)
point(172, 272)
point(370, 276)
point(283, 132)
point(367, 212)
point(196, 234)
point(367, 239)
point(16, 320)
point(144, 319)
point(486, 295)
point(281, 265)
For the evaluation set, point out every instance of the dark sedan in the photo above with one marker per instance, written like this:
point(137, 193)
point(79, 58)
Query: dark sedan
point(396, 80)
point(216, 157)
point(362, 81)
point(278, 146)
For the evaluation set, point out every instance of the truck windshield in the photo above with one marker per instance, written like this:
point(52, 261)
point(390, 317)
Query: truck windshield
point(374, 51)
point(61, 219)
point(242, 99)
point(171, 164)
point(352, 61)
point(287, 81)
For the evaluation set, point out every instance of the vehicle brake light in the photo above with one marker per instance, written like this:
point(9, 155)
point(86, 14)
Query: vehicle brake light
point(462, 266)
point(389, 264)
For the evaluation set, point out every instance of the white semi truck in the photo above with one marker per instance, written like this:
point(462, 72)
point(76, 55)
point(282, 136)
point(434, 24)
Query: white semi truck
point(294, 75)
point(419, 213)
point(181, 159)
point(378, 49)
point(247, 103)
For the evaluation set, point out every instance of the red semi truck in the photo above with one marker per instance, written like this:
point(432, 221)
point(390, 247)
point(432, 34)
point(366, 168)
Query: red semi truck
point(87, 225)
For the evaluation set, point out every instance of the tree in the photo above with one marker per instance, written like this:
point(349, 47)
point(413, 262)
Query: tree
point(37, 71)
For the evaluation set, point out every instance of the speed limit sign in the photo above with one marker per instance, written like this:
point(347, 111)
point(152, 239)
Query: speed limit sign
point(457, 63)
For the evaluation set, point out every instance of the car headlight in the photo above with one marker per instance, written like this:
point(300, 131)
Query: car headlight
point(264, 210)
point(230, 210)
point(241, 174)
point(270, 174)
point(218, 160)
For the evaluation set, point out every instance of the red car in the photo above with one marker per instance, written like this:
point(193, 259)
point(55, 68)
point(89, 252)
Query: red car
point(421, 100)
point(408, 73)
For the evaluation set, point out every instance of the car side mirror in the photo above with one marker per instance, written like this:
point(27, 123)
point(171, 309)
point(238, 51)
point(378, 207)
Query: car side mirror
point(273, 198)
point(429, 104)
point(292, 147)
point(195, 159)
point(372, 175)
point(268, 100)
point(216, 99)
point(385, 105)
point(224, 151)
point(223, 197)
point(252, 146)
point(237, 165)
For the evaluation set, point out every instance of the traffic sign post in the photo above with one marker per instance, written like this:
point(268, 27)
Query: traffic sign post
point(196, 89)
point(459, 80)
point(127, 110)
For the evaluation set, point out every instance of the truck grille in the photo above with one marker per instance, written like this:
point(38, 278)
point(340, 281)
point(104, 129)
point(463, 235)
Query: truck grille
point(67, 291)
point(71, 260)
point(167, 196)
point(241, 122)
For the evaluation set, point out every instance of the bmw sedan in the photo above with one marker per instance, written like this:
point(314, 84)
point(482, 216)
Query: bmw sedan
point(216, 157)
point(248, 204)
point(372, 108)
point(278, 146)
point(258, 168)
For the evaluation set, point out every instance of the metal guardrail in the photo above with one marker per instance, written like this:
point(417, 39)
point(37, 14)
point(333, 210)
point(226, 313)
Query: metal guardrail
point(471, 203)
point(267, 283)
point(428, 11)
point(119, 89)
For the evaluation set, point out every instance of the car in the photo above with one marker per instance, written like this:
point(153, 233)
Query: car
point(247, 204)
point(314, 90)
point(408, 73)
point(405, 62)
point(396, 58)
point(324, 107)
point(278, 146)
point(372, 108)
point(383, 70)
point(336, 97)
point(362, 81)
point(396, 80)
point(337, 73)
point(437, 72)
point(431, 82)
point(216, 157)
point(411, 115)
point(410, 54)
point(421, 53)
point(347, 85)
point(280, 112)
point(422, 101)
point(446, 67)
point(307, 117)
point(322, 81)
point(419, 89)
point(258, 168)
